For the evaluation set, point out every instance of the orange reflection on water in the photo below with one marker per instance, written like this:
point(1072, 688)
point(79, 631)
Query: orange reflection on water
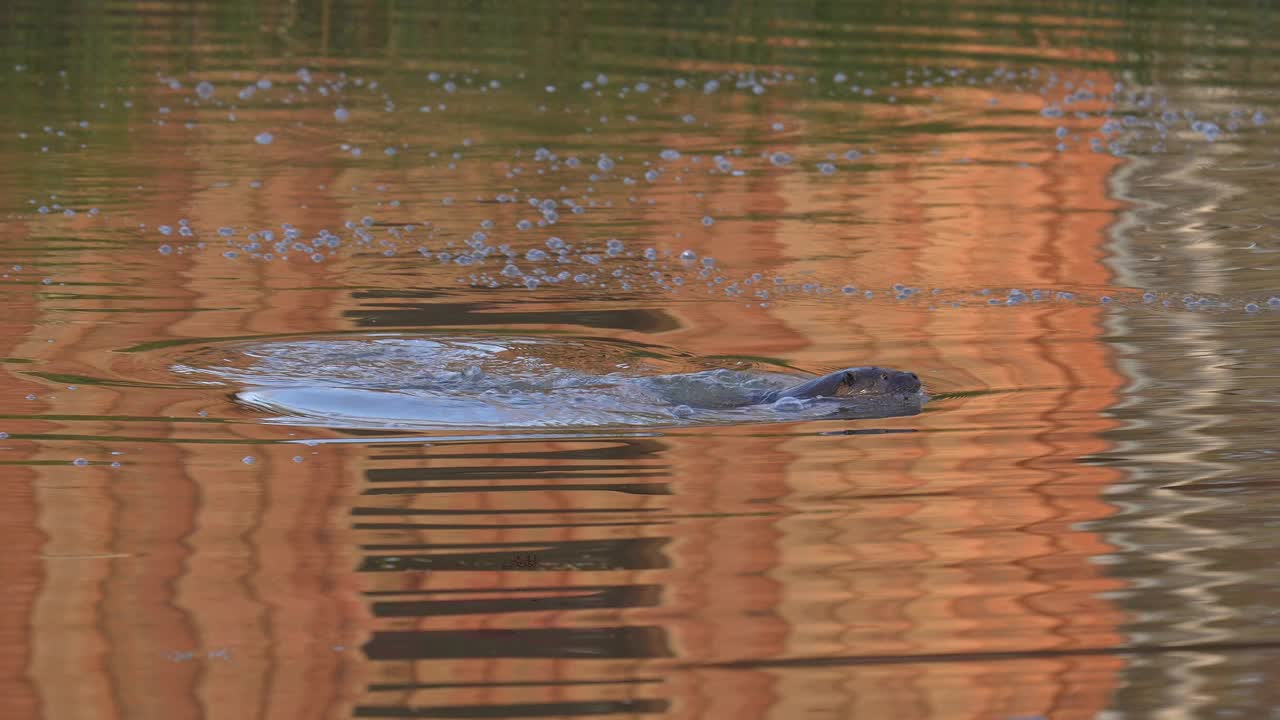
point(938, 573)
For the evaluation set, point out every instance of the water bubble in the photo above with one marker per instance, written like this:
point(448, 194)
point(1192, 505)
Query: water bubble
point(1210, 131)
point(710, 86)
point(650, 254)
point(204, 89)
point(780, 158)
point(166, 250)
point(248, 460)
point(1251, 308)
point(1273, 302)
point(708, 220)
point(605, 163)
point(342, 114)
point(788, 404)
point(80, 462)
point(535, 255)
point(264, 138)
point(682, 411)
point(826, 168)
point(688, 255)
point(669, 155)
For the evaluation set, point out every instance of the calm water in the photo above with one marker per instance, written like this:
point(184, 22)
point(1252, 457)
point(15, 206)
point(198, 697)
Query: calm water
point(1061, 216)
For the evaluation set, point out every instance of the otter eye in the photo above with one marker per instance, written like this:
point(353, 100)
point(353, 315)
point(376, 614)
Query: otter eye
point(847, 379)
point(884, 376)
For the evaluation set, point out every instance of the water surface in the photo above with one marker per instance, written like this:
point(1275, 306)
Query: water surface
point(1061, 217)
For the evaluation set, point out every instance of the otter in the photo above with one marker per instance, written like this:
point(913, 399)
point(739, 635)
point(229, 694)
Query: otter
point(443, 381)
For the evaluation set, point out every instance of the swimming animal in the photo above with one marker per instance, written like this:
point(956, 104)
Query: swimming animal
point(443, 381)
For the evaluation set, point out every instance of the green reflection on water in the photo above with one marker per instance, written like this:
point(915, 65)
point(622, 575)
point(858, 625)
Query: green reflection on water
point(114, 45)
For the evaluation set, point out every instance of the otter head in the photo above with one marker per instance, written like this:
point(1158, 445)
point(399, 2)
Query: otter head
point(855, 382)
point(874, 381)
